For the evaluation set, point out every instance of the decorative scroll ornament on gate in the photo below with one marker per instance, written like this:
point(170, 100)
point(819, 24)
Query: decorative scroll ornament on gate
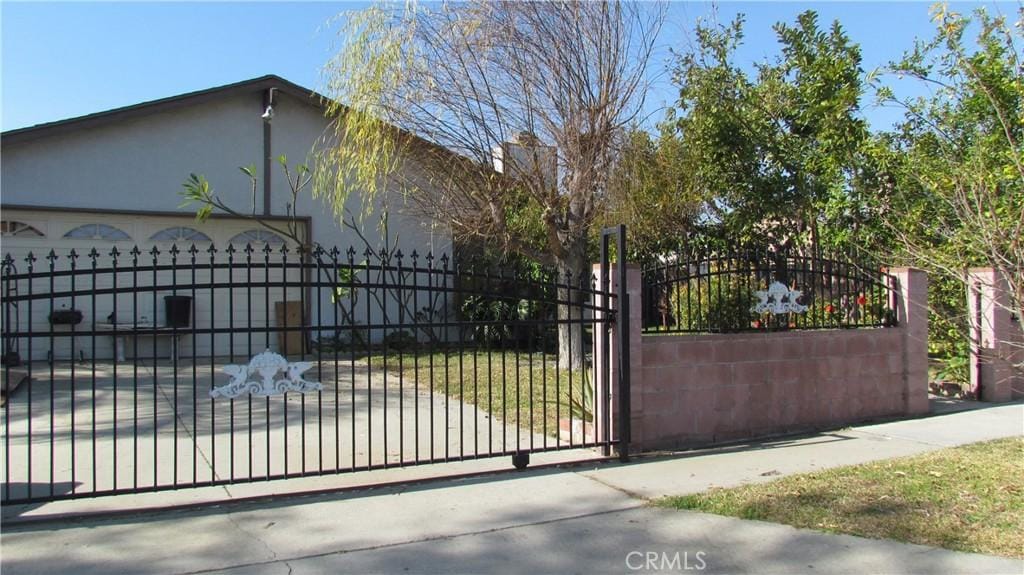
point(778, 299)
point(267, 366)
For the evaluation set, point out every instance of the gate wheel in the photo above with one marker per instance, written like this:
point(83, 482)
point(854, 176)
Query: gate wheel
point(521, 459)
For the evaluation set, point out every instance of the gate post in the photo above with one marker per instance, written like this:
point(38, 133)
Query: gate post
point(993, 336)
point(618, 355)
point(912, 311)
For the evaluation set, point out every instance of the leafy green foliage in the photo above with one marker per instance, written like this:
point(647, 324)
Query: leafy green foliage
point(773, 154)
point(361, 150)
point(713, 302)
point(652, 193)
point(492, 317)
point(955, 168)
point(400, 340)
point(197, 189)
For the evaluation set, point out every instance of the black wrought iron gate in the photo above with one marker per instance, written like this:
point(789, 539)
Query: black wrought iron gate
point(131, 371)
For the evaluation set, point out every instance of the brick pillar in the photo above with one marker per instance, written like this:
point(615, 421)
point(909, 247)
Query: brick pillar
point(992, 336)
point(635, 357)
point(912, 308)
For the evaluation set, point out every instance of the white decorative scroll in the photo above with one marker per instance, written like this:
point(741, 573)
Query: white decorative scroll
point(267, 366)
point(778, 299)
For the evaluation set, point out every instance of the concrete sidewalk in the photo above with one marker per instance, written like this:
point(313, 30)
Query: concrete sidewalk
point(585, 519)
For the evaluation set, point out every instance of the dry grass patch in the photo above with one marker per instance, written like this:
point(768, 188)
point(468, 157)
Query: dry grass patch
point(968, 498)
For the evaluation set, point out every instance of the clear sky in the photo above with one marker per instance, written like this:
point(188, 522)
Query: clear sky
point(61, 60)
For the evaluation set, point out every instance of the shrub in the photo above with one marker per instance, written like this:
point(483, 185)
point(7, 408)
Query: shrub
point(400, 340)
point(716, 303)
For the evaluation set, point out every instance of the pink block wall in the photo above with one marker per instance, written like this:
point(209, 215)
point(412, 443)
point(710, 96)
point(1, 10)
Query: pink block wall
point(688, 390)
point(997, 343)
point(700, 389)
point(1015, 355)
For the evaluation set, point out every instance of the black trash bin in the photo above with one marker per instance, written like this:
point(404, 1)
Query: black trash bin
point(178, 310)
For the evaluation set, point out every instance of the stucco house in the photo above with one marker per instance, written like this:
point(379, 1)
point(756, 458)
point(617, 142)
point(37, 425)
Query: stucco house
point(113, 179)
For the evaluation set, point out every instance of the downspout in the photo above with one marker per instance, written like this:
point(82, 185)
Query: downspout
point(268, 103)
point(307, 277)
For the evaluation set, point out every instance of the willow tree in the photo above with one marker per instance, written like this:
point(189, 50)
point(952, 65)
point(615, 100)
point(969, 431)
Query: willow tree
point(424, 95)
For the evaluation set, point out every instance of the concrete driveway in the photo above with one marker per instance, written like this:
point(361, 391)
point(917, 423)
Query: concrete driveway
point(143, 425)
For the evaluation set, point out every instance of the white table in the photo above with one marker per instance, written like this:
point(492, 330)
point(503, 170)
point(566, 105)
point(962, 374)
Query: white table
point(126, 330)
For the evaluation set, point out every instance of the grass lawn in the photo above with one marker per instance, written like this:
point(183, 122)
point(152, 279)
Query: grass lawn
point(488, 380)
point(968, 498)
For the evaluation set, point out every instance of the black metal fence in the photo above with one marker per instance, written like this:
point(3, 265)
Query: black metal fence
point(750, 290)
point(162, 369)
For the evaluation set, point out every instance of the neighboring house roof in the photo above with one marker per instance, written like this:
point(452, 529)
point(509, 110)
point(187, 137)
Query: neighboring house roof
point(163, 105)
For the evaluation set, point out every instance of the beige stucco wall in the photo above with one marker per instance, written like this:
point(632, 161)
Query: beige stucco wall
point(141, 163)
point(138, 165)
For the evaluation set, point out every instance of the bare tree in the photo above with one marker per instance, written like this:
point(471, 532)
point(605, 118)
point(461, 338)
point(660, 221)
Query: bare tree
point(427, 98)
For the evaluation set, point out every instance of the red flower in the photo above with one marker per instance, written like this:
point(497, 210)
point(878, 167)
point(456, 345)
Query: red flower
point(861, 300)
point(830, 308)
point(756, 324)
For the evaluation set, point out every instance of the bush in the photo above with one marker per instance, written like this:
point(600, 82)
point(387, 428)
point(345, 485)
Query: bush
point(491, 316)
point(400, 340)
point(716, 303)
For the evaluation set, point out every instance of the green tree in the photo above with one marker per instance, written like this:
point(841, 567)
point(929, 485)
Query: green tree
point(955, 164)
point(774, 153)
point(651, 192)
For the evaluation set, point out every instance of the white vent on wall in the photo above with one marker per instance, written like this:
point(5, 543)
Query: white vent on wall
point(257, 236)
point(97, 232)
point(19, 229)
point(180, 234)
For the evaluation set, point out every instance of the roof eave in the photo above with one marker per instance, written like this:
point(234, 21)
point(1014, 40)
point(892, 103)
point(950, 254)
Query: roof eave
point(162, 105)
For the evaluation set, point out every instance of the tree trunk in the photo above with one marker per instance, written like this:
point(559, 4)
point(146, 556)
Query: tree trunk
point(574, 271)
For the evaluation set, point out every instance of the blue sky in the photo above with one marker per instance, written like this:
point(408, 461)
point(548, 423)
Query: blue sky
point(61, 60)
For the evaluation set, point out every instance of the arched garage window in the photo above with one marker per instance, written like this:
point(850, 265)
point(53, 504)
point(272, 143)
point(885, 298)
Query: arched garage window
point(180, 234)
point(257, 236)
point(97, 232)
point(19, 229)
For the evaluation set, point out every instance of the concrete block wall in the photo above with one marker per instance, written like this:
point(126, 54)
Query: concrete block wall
point(997, 341)
point(690, 390)
point(701, 389)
